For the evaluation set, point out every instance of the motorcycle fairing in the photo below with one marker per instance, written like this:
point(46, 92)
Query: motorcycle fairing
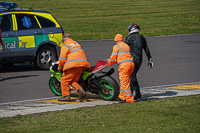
point(99, 66)
point(85, 74)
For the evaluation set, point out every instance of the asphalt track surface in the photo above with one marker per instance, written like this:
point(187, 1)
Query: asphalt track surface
point(176, 61)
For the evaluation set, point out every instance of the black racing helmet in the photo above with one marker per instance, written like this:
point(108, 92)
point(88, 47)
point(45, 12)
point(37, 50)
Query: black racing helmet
point(133, 28)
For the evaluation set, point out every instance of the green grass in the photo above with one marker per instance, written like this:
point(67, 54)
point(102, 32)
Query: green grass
point(103, 19)
point(178, 115)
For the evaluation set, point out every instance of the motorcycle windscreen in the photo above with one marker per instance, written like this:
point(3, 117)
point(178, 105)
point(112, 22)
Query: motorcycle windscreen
point(99, 66)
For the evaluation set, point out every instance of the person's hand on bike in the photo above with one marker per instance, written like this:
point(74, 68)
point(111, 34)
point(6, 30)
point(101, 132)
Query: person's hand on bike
point(107, 60)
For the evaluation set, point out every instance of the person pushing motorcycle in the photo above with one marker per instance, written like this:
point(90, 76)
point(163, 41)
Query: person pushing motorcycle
point(121, 55)
point(73, 62)
point(137, 43)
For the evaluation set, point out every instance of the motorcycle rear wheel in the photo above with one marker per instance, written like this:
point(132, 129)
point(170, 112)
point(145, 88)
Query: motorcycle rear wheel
point(110, 88)
point(55, 86)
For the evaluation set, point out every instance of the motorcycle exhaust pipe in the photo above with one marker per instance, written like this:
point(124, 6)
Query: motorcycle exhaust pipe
point(110, 72)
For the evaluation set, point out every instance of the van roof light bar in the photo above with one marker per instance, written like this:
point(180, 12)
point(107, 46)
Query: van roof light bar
point(8, 5)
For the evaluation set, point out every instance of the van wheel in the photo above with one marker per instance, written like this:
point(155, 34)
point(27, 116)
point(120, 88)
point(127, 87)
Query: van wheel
point(44, 58)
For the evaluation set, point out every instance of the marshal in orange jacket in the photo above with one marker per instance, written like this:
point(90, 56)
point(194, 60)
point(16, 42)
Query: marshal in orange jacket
point(72, 55)
point(121, 53)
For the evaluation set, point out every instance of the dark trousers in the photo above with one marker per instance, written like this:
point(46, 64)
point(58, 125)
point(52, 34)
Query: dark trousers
point(134, 85)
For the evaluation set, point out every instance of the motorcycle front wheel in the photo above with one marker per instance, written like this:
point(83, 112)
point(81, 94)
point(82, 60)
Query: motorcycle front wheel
point(55, 86)
point(109, 88)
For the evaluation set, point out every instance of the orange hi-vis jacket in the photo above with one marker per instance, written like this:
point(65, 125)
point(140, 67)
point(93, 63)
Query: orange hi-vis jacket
point(121, 53)
point(72, 55)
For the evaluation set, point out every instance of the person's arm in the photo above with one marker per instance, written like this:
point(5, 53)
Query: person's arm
point(146, 48)
point(147, 51)
point(113, 57)
point(63, 57)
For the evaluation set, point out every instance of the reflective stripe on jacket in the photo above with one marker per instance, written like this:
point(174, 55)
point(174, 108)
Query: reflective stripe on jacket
point(121, 53)
point(72, 55)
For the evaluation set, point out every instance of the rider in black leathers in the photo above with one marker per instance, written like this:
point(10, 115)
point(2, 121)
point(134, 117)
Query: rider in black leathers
point(136, 43)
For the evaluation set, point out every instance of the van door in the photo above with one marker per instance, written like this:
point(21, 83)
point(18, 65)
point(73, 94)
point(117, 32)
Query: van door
point(29, 34)
point(9, 38)
point(52, 31)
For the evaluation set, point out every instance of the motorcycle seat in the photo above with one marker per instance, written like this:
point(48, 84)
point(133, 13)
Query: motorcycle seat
point(90, 70)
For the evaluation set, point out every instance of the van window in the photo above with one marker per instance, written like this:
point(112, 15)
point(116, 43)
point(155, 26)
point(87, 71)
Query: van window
point(6, 23)
point(25, 21)
point(45, 23)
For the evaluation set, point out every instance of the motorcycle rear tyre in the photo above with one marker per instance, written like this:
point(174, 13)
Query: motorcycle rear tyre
point(112, 87)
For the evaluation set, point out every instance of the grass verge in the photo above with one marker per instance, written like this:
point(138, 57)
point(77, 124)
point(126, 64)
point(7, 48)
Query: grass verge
point(178, 114)
point(103, 19)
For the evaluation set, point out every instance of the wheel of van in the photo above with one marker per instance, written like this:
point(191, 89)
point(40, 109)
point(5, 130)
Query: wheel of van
point(44, 58)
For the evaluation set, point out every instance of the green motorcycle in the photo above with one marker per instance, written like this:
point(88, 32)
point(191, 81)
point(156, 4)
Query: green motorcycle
point(93, 80)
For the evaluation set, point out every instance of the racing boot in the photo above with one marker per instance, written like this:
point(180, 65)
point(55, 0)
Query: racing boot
point(82, 94)
point(137, 93)
point(65, 99)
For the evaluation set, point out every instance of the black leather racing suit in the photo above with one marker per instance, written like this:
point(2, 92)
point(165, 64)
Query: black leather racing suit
point(136, 43)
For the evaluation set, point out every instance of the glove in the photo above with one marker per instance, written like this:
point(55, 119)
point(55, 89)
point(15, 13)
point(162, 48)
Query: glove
point(107, 60)
point(59, 70)
point(150, 63)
